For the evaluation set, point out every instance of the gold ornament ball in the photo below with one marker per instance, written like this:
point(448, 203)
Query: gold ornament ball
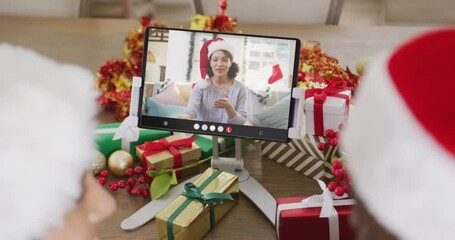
point(99, 164)
point(119, 161)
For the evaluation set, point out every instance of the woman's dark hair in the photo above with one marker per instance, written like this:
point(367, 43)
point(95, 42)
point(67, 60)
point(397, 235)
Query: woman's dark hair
point(233, 70)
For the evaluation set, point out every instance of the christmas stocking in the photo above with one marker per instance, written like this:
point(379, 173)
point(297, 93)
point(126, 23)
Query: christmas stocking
point(276, 74)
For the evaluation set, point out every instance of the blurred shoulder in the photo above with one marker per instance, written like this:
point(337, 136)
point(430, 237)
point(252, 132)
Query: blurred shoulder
point(202, 84)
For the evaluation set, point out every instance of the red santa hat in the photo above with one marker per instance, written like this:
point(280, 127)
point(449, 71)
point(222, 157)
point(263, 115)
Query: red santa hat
point(208, 48)
point(47, 114)
point(400, 138)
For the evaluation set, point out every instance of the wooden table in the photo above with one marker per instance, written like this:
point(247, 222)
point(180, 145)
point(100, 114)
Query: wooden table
point(90, 42)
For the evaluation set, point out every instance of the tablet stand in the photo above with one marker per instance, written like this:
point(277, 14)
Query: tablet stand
point(248, 185)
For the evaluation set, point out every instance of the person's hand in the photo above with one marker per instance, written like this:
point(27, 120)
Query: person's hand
point(223, 102)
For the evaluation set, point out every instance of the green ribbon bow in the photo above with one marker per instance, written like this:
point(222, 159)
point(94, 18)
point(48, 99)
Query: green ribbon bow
point(192, 192)
point(195, 193)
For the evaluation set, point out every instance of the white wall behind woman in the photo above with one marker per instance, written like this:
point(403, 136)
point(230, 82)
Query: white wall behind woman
point(178, 50)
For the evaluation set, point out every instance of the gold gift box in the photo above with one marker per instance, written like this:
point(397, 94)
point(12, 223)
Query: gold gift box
point(165, 160)
point(194, 221)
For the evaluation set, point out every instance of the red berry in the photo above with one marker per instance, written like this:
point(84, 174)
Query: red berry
point(151, 168)
point(337, 164)
point(148, 179)
point(122, 184)
point(128, 189)
point(104, 174)
point(114, 187)
point(112, 182)
point(322, 146)
point(136, 192)
point(330, 133)
point(346, 188)
point(145, 192)
point(138, 170)
point(142, 179)
point(341, 126)
point(333, 185)
point(102, 181)
point(347, 179)
point(129, 172)
point(333, 142)
point(339, 191)
point(339, 173)
point(131, 182)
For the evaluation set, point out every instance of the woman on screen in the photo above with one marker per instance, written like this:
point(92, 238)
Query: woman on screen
point(219, 97)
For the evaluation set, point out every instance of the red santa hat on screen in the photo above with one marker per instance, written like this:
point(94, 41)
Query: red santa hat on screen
point(208, 48)
point(46, 143)
point(400, 138)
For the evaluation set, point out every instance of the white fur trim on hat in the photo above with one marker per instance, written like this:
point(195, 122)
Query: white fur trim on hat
point(47, 114)
point(219, 45)
point(398, 170)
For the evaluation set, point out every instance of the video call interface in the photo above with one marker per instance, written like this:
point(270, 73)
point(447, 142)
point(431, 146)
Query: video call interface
point(218, 84)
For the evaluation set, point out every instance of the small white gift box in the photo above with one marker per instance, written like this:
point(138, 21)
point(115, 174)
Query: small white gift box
point(327, 115)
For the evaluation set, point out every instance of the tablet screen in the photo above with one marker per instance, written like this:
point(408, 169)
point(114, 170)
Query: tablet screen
point(223, 84)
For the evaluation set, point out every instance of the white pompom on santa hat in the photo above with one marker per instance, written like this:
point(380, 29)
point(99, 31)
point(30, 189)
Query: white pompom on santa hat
point(400, 138)
point(47, 114)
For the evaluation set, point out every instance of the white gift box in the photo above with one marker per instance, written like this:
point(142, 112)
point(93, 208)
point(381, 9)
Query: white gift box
point(335, 112)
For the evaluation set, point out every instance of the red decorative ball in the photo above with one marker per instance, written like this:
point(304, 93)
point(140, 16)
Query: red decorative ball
point(102, 181)
point(333, 142)
point(129, 189)
point(104, 174)
point(333, 185)
point(339, 174)
point(346, 187)
point(330, 133)
point(322, 146)
point(142, 179)
point(138, 170)
point(136, 192)
point(122, 184)
point(339, 191)
point(131, 182)
point(145, 192)
point(337, 164)
point(114, 187)
point(129, 172)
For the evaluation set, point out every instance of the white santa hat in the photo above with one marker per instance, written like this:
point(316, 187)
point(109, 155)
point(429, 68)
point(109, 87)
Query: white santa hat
point(400, 138)
point(47, 114)
point(208, 48)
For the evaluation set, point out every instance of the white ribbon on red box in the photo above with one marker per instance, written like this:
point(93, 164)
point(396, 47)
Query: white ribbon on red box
point(327, 201)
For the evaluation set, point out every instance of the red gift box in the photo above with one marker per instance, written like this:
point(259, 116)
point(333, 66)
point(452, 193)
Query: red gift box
point(306, 223)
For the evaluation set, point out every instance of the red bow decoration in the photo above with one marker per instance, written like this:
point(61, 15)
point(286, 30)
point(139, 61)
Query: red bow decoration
point(160, 145)
point(204, 59)
point(333, 89)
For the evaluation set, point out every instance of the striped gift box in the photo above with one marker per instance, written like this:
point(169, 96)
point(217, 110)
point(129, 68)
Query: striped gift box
point(300, 161)
point(309, 144)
